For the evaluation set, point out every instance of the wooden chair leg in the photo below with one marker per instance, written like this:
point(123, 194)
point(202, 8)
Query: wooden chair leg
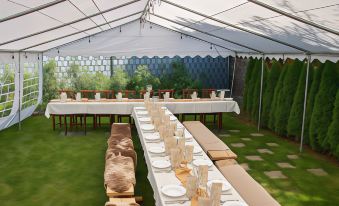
point(65, 124)
point(85, 124)
point(60, 120)
point(220, 120)
point(53, 122)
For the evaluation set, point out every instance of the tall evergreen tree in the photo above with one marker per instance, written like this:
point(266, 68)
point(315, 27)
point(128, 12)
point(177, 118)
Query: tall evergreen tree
point(254, 77)
point(317, 68)
point(296, 116)
point(285, 98)
point(256, 93)
point(248, 75)
point(333, 130)
point(323, 107)
point(277, 90)
point(272, 80)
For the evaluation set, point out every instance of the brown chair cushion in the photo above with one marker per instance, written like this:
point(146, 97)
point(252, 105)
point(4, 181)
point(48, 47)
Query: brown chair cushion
point(206, 138)
point(121, 128)
point(123, 152)
point(250, 190)
point(124, 143)
point(121, 204)
point(223, 163)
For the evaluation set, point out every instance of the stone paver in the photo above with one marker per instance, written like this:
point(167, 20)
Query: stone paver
point(318, 172)
point(265, 151)
point(234, 130)
point(292, 157)
point(275, 175)
point(239, 145)
point(285, 165)
point(224, 135)
point(272, 144)
point(257, 134)
point(254, 158)
point(246, 139)
point(245, 166)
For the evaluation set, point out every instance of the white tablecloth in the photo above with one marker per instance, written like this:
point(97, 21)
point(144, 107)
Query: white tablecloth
point(158, 180)
point(126, 107)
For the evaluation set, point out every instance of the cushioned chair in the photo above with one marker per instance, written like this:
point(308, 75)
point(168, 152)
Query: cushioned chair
point(186, 94)
point(205, 93)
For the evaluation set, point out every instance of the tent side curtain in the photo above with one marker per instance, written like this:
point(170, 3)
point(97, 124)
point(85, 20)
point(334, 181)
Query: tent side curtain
point(240, 26)
point(21, 86)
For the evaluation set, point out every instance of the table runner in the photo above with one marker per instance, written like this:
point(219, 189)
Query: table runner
point(158, 180)
point(179, 106)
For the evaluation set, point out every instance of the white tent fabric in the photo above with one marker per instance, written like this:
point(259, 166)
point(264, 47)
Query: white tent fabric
point(244, 27)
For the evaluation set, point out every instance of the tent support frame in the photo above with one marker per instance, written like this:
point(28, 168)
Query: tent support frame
point(261, 92)
point(234, 26)
point(19, 91)
point(305, 104)
point(233, 75)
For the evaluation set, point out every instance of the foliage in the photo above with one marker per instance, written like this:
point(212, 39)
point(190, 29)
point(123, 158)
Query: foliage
point(272, 79)
point(323, 107)
point(286, 96)
point(142, 77)
point(333, 130)
point(248, 75)
point(296, 115)
point(317, 69)
point(178, 79)
point(49, 85)
point(119, 79)
point(256, 92)
point(255, 76)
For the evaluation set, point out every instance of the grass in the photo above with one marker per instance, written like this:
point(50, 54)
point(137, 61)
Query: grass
point(42, 167)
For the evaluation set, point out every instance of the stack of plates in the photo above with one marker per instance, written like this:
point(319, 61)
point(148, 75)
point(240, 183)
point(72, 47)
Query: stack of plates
point(173, 118)
point(197, 150)
point(145, 119)
point(157, 150)
point(140, 108)
point(141, 113)
point(147, 127)
point(173, 190)
point(161, 164)
point(152, 137)
point(199, 162)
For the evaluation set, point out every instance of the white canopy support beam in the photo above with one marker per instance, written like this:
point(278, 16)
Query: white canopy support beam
point(311, 23)
point(236, 27)
point(70, 23)
point(261, 92)
point(207, 33)
point(44, 6)
point(305, 104)
point(233, 75)
point(68, 35)
point(192, 36)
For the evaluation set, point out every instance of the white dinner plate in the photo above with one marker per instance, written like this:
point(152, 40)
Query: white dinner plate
point(156, 150)
point(225, 185)
point(197, 150)
point(161, 164)
point(228, 99)
point(152, 136)
point(147, 127)
point(168, 112)
point(141, 112)
point(173, 118)
point(164, 108)
point(199, 162)
point(140, 108)
point(234, 203)
point(173, 190)
point(145, 119)
point(188, 135)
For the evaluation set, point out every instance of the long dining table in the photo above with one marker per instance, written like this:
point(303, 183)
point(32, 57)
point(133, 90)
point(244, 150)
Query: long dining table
point(159, 179)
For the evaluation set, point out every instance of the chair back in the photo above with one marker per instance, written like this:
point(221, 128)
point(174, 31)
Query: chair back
point(70, 93)
point(108, 94)
point(128, 93)
point(205, 93)
point(142, 92)
point(161, 93)
point(186, 93)
point(88, 94)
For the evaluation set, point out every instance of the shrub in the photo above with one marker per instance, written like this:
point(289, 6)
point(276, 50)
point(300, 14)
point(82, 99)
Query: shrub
point(249, 70)
point(286, 95)
point(333, 130)
point(323, 107)
point(295, 119)
point(255, 75)
point(142, 77)
point(119, 79)
point(49, 83)
point(274, 105)
point(272, 80)
point(317, 69)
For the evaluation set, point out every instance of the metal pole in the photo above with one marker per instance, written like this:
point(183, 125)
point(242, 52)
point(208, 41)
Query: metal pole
point(19, 91)
point(228, 71)
point(305, 103)
point(235, 64)
point(261, 87)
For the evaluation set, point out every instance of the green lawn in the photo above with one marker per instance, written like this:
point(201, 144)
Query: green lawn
point(42, 167)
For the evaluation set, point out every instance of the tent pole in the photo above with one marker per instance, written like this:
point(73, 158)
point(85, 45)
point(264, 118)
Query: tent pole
point(228, 71)
point(305, 103)
point(19, 91)
point(235, 64)
point(261, 87)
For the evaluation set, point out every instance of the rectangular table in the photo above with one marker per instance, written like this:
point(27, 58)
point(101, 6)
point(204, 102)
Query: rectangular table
point(158, 180)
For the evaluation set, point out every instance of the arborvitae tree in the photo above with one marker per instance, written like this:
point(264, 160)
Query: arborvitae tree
point(277, 90)
point(249, 70)
point(256, 93)
point(285, 98)
point(323, 107)
point(272, 80)
point(317, 68)
point(254, 77)
point(296, 116)
point(333, 130)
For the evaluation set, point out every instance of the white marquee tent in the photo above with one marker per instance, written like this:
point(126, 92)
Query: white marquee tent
point(270, 28)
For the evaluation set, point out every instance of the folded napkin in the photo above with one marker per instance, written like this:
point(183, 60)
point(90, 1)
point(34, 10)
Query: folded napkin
point(182, 174)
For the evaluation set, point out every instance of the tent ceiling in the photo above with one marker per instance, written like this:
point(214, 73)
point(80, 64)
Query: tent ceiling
point(236, 25)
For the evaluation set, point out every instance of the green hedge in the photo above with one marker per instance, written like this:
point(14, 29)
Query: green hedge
point(283, 100)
